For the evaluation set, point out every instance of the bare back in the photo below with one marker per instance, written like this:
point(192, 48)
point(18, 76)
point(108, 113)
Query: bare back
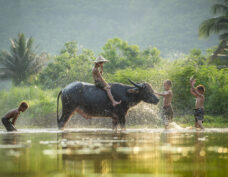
point(13, 114)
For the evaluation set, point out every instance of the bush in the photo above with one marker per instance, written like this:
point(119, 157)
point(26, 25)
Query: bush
point(41, 103)
point(214, 80)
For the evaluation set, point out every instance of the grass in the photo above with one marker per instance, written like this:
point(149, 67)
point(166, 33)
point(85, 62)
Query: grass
point(210, 121)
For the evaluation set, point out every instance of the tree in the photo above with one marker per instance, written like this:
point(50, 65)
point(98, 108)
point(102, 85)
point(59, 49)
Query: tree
point(122, 55)
point(71, 65)
point(218, 25)
point(22, 61)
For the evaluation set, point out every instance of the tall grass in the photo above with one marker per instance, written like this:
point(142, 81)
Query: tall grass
point(41, 103)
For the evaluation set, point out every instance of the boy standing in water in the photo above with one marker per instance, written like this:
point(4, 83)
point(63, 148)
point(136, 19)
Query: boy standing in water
point(167, 112)
point(99, 80)
point(13, 114)
point(198, 92)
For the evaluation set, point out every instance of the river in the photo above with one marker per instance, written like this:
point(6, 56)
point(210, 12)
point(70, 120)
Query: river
point(100, 152)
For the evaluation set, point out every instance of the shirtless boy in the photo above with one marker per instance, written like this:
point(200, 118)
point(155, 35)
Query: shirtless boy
point(13, 114)
point(100, 82)
point(167, 112)
point(198, 92)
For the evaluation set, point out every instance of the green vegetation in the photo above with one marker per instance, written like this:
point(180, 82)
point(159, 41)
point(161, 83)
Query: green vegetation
point(122, 55)
point(42, 104)
point(73, 64)
point(69, 66)
point(210, 121)
point(22, 62)
point(218, 25)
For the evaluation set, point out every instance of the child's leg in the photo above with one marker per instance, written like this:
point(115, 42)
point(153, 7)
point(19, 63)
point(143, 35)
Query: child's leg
point(196, 125)
point(165, 117)
point(114, 102)
point(200, 124)
point(8, 125)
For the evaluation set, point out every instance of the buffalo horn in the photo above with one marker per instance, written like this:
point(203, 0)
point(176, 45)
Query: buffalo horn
point(136, 85)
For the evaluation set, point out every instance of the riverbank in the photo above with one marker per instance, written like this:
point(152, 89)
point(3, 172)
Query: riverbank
point(210, 121)
point(42, 112)
point(79, 122)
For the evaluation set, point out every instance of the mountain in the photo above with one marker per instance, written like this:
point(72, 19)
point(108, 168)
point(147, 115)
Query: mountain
point(169, 25)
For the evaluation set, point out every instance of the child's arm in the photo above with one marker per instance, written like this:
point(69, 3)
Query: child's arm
point(164, 94)
point(13, 114)
point(14, 120)
point(101, 71)
point(194, 90)
point(16, 114)
point(191, 90)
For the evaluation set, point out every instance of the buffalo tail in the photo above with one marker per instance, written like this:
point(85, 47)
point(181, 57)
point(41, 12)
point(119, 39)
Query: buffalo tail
point(58, 106)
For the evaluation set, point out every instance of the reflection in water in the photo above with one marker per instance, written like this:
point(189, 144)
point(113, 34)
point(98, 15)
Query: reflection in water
point(11, 142)
point(10, 138)
point(200, 155)
point(90, 151)
point(101, 153)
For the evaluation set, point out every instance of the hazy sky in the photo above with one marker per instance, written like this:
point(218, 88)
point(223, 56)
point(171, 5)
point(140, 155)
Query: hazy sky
point(169, 25)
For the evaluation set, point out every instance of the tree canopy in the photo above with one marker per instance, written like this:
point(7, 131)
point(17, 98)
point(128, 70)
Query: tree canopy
point(218, 25)
point(22, 61)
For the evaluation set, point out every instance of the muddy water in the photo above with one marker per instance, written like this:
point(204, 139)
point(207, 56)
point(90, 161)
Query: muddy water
point(99, 152)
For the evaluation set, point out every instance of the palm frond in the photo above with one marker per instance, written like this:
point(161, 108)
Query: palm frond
point(22, 59)
point(213, 25)
point(220, 8)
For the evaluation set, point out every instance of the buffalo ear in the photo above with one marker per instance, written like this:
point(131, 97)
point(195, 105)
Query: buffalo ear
point(133, 90)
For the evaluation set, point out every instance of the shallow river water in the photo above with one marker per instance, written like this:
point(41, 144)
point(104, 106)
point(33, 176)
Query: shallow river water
point(99, 152)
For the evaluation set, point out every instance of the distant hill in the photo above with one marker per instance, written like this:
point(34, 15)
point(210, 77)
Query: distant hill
point(169, 25)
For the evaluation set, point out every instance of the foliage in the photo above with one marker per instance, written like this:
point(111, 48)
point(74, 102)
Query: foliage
point(179, 71)
point(155, 76)
point(218, 25)
point(213, 79)
point(126, 61)
point(22, 61)
point(122, 55)
point(69, 66)
point(40, 102)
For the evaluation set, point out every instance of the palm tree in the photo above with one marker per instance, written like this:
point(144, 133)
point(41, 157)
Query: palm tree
point(217, 25)
point(22, 61)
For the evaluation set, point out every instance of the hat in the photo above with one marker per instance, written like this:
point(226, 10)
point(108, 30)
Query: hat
point(100, 59)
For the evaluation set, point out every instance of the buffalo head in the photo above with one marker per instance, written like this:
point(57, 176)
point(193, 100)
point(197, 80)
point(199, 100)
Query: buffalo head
point(145, 92)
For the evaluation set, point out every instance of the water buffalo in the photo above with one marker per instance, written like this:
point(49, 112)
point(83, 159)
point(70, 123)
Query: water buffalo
point(90, 101)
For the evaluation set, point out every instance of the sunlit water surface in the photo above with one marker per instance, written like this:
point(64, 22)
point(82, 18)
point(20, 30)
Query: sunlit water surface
point(100, 152)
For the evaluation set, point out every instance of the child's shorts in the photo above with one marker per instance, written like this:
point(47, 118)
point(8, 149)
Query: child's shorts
point(8, 124)
point(100, 84)
point(199, 114)
point(167, 114)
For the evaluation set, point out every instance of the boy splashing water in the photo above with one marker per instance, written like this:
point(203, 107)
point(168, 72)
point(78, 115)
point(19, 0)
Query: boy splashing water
point(13, 114)
point(167, 112)
point(198, 92)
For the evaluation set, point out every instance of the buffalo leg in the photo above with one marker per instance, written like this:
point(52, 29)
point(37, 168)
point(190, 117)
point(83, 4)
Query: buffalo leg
point(114, 124)
point(123, 123)
point(83, 114)
point(66, 115)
